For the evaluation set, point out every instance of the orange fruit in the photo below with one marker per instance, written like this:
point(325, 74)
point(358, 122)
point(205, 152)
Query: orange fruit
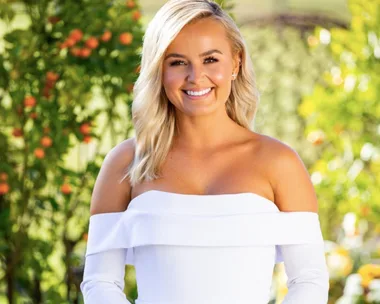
point(85, 52)
point(51, 76)
point(39, 153)
point(85, 236)
point(46, 141)
point(70, 42)
point(75, 51)
point(66, 188)
point(29, 101)
point(33, 115)
point(3, 176)
point(87, 139)
point(126, 38)
point(106, 36)
point(76, 34)
point(85, 128)
point(17, 132)
point(4, 188)
point(136, 15)
point(130, 4)
point(92, 43)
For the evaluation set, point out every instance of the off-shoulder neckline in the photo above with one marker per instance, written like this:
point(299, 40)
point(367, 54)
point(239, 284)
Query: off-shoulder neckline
point(203, 204)
point(203, 197)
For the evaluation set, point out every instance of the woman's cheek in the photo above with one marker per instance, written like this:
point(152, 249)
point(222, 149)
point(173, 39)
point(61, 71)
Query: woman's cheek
point(170, 82)
point(219, 75)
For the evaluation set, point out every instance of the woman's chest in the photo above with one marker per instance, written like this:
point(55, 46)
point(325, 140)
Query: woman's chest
point(228, 171)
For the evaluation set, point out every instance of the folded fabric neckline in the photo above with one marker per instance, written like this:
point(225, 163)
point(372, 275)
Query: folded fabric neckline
point(167, 218)
point(205, 197)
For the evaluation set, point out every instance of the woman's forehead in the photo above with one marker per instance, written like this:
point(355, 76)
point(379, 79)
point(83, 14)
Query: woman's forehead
point(200, 36)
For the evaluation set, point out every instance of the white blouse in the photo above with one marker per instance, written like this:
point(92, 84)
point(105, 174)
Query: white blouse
point(195, 249)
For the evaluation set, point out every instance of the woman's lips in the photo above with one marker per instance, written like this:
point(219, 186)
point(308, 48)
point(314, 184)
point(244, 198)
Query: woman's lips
point(194, 97)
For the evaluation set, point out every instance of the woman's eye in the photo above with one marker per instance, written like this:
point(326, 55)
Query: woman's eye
point(211, 60)
point(177, 62)
point(181, 62)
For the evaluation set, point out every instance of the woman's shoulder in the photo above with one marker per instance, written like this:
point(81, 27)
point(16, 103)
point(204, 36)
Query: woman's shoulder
point(276, 154)
point(111, 191)
point(269, 141)
point(121, 154)
point(288, 175)
point(272, 148)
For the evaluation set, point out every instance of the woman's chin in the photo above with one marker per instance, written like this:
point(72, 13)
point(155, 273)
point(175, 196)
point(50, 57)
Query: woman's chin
point(199, 109)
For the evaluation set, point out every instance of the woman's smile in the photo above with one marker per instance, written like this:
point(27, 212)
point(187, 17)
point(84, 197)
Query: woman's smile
point(198, 94)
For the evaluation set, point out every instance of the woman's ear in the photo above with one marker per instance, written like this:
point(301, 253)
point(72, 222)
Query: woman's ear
point(237, 63)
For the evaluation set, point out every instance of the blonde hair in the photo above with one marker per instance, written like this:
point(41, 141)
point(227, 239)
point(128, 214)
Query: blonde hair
point(153, 115)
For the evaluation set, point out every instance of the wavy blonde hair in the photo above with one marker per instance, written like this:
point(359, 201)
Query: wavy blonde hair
point(153, 115)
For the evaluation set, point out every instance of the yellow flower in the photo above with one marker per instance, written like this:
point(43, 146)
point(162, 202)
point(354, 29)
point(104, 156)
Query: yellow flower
point(366, 280)
point(376, 271)
point(368, 272)
point(342, 251)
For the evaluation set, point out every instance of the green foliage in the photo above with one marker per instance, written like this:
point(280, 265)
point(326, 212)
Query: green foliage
point(286, 70)
point(346, 110)
point(66, 79)
point(227, 5)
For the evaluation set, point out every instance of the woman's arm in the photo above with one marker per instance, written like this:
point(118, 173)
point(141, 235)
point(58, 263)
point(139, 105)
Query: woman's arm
point(103, 278)
point(308, 277)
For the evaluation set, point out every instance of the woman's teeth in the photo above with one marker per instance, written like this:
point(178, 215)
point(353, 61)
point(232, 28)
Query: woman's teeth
point(198, 93)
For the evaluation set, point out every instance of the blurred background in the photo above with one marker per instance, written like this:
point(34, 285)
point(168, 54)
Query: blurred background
point(67, 70)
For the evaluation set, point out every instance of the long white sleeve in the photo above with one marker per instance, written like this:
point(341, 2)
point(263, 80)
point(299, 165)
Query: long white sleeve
point(103, 278)
point(307, 272)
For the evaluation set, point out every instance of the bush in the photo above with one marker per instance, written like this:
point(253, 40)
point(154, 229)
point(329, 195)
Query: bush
point(66, 79)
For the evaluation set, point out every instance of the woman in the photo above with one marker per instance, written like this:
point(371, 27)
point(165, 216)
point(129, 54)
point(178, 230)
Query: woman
point(200, 204)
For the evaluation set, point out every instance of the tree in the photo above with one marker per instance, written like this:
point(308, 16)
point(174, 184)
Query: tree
point(66, 78)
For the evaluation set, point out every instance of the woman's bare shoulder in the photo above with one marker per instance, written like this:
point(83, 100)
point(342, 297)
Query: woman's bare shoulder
point(289, 177)
point(268, 147)
point(122, 154)
point(109, 193)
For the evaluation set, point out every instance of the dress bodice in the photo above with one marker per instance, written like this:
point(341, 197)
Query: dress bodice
point(199, 248)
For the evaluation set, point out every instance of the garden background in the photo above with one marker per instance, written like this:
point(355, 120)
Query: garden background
point(67, 70)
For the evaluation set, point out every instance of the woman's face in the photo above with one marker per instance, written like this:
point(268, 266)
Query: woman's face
point(198, 67)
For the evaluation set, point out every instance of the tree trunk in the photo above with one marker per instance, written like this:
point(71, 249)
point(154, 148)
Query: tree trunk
point(10, 280)
point(37, 294)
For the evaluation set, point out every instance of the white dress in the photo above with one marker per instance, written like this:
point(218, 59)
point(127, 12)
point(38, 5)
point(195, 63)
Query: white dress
point(195, 249)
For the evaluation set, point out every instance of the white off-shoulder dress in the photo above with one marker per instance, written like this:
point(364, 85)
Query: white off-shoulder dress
point(195, 249)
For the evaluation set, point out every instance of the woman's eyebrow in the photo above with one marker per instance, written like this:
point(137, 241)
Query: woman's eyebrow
point(176, 55)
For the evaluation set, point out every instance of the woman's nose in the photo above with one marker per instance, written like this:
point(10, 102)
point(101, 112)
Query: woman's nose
point(196, 73)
